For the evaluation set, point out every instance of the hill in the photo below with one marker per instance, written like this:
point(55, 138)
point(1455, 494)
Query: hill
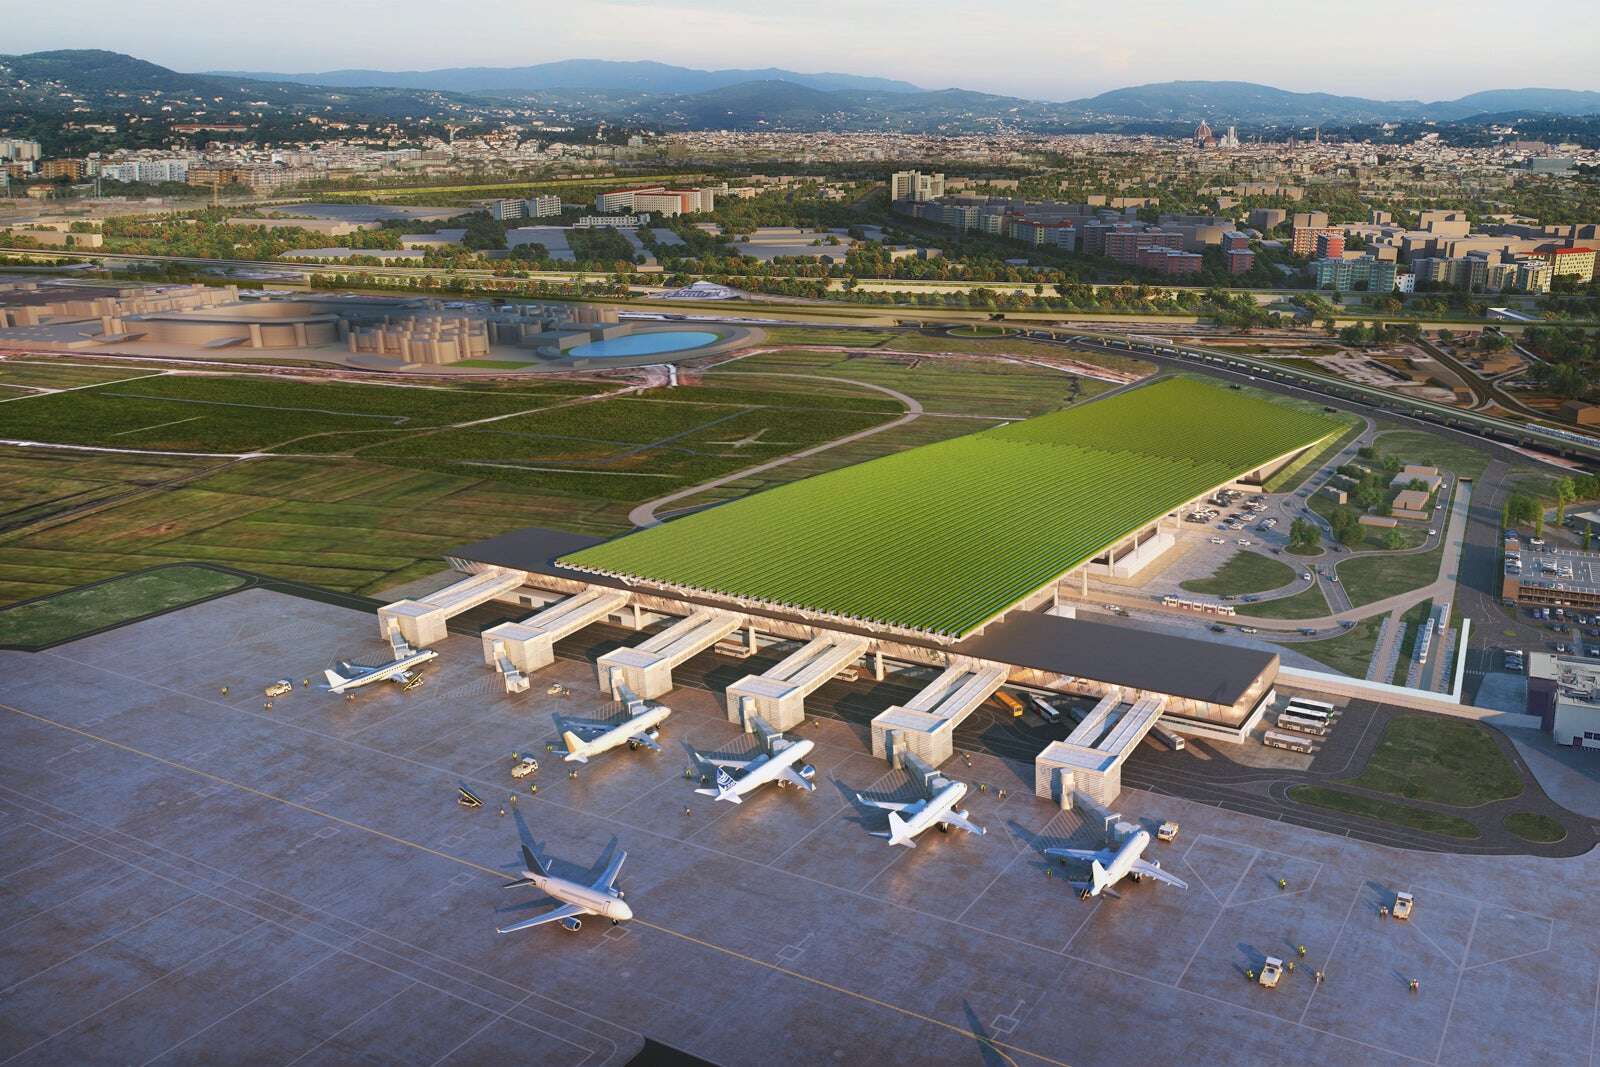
point(600, 75)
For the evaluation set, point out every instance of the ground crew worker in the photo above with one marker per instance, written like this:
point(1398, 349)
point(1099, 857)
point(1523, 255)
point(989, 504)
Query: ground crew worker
point(1283, 883)
point(1250, 974)
point(1301, 949)
point(224, 690)
point(1318, 976)
point(1290, 966)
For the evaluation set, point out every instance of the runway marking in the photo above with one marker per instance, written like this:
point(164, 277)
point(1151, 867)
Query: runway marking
point(998, 1047)
point(159, 425)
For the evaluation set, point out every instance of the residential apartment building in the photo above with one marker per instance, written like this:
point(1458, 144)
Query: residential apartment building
point(1239, 260)
point(1304, 242)
point(656, 200)
point(914, 185)
point(19, 151)
point(1124, 245)
point(1571, 263)
point(72, 169)
point(536, 207)
point(1367, 273)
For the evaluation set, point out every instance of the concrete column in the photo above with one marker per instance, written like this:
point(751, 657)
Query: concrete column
point(877, 664)
point(300, 335)
point(255, 335)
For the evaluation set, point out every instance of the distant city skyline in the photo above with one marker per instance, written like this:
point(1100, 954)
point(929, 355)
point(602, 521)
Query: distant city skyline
point(1371, 48)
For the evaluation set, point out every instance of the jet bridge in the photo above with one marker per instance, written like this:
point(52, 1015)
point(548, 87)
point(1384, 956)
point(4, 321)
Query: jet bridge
point(925, 726)
point(530, 644)
point(779, 694)
point(1090, 760)
point(421, 622)
point(646, 668)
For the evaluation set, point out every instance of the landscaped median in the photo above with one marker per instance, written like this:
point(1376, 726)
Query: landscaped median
point(1432, 822)
point(1436, 760)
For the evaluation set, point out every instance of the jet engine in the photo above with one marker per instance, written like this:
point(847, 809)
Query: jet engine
point(573, 924)
point(807, 771)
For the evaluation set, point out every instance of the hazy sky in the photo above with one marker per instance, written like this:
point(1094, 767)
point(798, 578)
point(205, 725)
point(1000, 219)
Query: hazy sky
point(1424, 49)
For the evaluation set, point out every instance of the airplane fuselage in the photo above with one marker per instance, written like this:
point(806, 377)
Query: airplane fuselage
point(604, 903)
point(933, 810)
point(769, 768)
point(383, 672)
point(619, 734)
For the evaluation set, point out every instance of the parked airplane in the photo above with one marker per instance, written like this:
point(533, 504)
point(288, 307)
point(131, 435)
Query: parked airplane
point(641, 728)
point(602, 898)
point(1107, 867)
point(779, 762)
point(936, 808)
point(399, 670)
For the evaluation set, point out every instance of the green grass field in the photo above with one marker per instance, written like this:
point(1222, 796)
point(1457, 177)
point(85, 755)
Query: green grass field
point(894, 540)
point(1432, 822)
point(1438, 759)
point(1306, 604)
point(1290, 478)
point(1535, 827)
point(1350, 652)
point(381, 489)
point(1418, 446)
point(1244, 572)
point(1372, 578)
point(821, 335)
point(65, 616)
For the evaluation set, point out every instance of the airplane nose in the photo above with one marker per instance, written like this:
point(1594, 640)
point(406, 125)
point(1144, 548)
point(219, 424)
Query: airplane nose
point(620, 910)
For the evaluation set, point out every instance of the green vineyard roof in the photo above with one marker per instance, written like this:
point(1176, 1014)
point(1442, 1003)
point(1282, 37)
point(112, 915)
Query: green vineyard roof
point(941, 539)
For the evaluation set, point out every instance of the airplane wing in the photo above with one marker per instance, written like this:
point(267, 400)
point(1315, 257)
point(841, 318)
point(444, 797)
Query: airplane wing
point(646, 741)
point(792, 776)
point(716, 762)
point(1076, 853)
point(610, 876)
point(886, 805)
point(402, 677)
point(566, 911)
point(960, 823)
point(1150, 870)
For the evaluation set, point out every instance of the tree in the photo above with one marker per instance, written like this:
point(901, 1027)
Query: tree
point(1538, 521)
point(1303, 534)
point(1566, 493)
point(1394, 539)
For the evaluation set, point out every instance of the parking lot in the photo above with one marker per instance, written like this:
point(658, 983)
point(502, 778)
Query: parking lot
point(189, 875)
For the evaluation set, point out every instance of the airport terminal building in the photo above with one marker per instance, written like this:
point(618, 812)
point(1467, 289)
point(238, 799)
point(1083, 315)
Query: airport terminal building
point(950, 556)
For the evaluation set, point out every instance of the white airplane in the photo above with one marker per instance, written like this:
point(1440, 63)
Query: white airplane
point(938, 808)
point(641, 728)
point(1108, 867)
point(602, 898)
point(399, 670)
point(779, 762)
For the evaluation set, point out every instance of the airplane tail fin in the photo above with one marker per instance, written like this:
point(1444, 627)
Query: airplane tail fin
point(897, 831)
point(1101, 879)
point(334, 680)
point(533, 862)
point(574, 743)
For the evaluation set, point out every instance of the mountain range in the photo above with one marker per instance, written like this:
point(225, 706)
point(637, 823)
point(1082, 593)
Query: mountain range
point(601, 75)
point(660, 95)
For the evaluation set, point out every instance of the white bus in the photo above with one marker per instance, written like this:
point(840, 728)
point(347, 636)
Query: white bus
point(1292, 742)
point(1300, 724)
point(1310, 709)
